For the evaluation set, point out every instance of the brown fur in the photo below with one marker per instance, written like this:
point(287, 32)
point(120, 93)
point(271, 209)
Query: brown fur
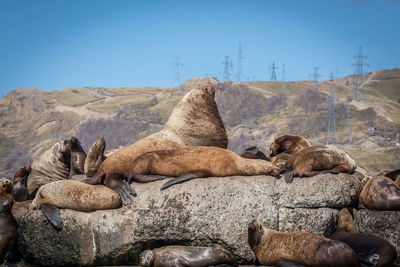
point(280, 160)
point(214, 161)
point(20, 189)
point(254, 153)
point(5, 189)
point(70, 194)
point(95, 157)
point(19, 209)
point(393, 174)
point(312, 160)
point(397, 182)
point(380, 193)
point(186, 256)
point(276, 248)
point(195, 121)
point(289, 144)
point(8, 232)
point(78, 157)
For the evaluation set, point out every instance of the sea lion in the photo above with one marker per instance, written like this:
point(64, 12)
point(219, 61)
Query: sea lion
point(52, 165)
point(397, 182)
point(95, 157)
point(289, 144)
point(78, 157)
point(281, 160)
point(20, 189)
point(290, 248)
point(8, 232)
point(254, 153)
point(195, 121)
point(186, 256)
point(194, 162)
point(319, 159)
point(371, 250)
point(380, 193)
point(75, 195)
point(392, 174)
point(5, 189)
point(19, 209)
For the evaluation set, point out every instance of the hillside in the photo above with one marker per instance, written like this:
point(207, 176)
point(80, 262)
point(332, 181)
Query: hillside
point(254, 113)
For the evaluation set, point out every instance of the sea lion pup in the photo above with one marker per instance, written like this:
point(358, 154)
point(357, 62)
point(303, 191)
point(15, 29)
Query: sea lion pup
point(20, 189)
point(95, 157)
point(8, 232)
point(379, 193)
point(5, 189)
point(52, 165)
point(186, 256)
point(254, 153)
point(78, 157)
point(290, 248)
point(319, 159)
point(195, 121)
point(75, 195)
point(195, 162)
point(290, 144)
point(371, 250)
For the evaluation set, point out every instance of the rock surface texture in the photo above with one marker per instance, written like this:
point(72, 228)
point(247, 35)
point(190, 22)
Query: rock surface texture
point(198, 212)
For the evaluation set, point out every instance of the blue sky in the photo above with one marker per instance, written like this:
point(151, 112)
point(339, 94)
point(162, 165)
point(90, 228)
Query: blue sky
point(56, 44)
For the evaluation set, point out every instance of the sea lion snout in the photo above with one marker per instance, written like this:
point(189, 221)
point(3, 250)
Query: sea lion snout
point(6, 205)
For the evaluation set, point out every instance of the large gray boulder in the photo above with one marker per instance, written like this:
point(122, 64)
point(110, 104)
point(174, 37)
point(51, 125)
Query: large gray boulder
point(199, 212)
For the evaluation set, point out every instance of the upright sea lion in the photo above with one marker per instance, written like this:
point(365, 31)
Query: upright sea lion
point(195, 121)
point(371, 250)
point(78, 157)
point(254, 153)
point(53, 165)
point(8, 232)
point(290, 248)
point(95, 157)
point(20, 189)
point(75, 195)
point(319, 159)
point(289, 144)
point(186, 256)
point(194, 162)
point(380, 193)
point(5, 189)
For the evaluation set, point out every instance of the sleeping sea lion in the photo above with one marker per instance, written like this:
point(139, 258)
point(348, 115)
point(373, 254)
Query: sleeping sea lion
point(319, 159)
point(194, 162)
point(5, 189)
point(95, 157)
point(289, 144)
point(292, 248)
point(371, 250)
point(254, 153)
point(75, 195)
point(78, 157)
point(186, 256)
point(379, 193)
point(8, 232)
point(195, 121)
point(20, 189)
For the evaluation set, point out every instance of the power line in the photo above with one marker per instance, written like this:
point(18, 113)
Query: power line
point(331, 135)
point(228, 69)
point(358, 76)
point(240, 58)
point(316, 76)
point(273, 71)
point(176, 80)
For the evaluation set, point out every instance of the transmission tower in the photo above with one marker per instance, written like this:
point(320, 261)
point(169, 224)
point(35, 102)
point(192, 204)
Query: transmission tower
point(348, 132)
point(273, 71)
point(331, 116)
point(283, 86)
point(316, 76)
point(177, 76)
point(240, 58)
point(358, 76)
point(227, 76)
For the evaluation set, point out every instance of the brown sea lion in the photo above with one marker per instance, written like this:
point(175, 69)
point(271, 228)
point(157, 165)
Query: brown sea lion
point(379, 193)
point(5, 189)
point(397, 182)
point(95, 157)
point(19, 209)
point(290, 248)
point(319, 159)
point(8, 232)
point(254, 153)
point(186, 256)
point(289, 144)
point(371, 250)
point(195, 121)
point(20, 189)
point(52, 165)
point(281, 160)
point(194, 162)
point(75, 195)
point(392, 174)
point(78, 157)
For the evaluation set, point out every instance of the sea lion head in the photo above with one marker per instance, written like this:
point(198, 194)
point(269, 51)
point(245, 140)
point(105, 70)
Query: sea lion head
point(274, 149)
point(345, 221)
point(146, 258)
point(78, 156)
point(75, 145)
point(6, 205)
point(255, 234)
point(64, 148)
point(20, 189)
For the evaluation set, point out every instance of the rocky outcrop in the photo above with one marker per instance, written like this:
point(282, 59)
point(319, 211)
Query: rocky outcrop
point(199, 212)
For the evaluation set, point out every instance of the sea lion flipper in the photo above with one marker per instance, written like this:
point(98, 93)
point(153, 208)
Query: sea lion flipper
point(125, 191)
point(144, 178)
point(289, 177)
point(52, 214)
point(184, 178)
